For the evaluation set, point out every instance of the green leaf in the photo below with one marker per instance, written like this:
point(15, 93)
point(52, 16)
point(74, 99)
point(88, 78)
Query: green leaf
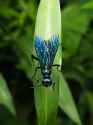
point(5, 96)
point(88, 95)
point(46, 101)
point(88, 9)
point(89, 100)
point(25, 50)
point(7, 11)
point(66, 101)
point(88, 5)
point(6, 118)
point(29, 7)
point(74, 24)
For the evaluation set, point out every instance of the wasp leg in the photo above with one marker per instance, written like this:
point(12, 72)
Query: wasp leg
point(53, 85)
point(56, 65)
point(35, 58)
point(35, 71)
point(35, 86)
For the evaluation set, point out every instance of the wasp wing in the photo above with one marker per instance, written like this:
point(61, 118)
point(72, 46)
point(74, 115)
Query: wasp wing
point(46, 50)
point(53, 47)
point(42, 51)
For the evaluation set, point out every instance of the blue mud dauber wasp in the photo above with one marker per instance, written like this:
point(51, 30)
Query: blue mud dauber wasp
point(46, 52)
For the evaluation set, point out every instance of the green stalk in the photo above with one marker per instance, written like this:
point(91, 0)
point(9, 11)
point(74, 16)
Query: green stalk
point(48, 23)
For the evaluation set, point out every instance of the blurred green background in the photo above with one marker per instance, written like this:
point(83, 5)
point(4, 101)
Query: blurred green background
point(17, 22)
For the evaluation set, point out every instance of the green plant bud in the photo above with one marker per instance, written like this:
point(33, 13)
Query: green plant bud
point(48, 23)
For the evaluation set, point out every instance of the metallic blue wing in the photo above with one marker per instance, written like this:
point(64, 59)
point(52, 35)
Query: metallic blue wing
point(41, 50)
point(53, 47)
point(46, 51)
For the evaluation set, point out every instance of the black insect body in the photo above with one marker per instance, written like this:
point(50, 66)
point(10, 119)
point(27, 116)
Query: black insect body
point(47, 81)
point(46, 51)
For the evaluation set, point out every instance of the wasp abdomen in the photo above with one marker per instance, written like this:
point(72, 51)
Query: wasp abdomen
point(46, 78)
